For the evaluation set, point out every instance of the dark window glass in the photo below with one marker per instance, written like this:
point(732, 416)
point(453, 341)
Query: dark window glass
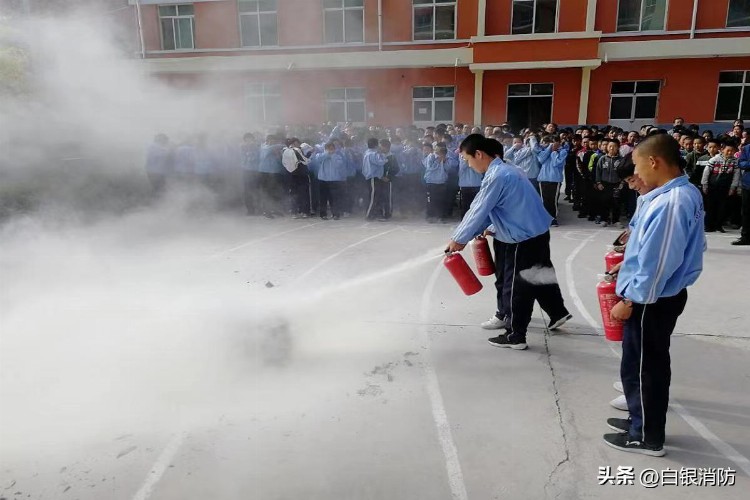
point(623, 87)
point(268, 29)
point(250, 33)
point(355, 93)
point(167, 34)
point(621, 108)
point(629, 15)
point(731, 76)
point(422, 93)
point(546, 15)
point(353, 3)
point(167, 10)
point(423, 23)
point(739, 13)
point(654, 12)
point(745, 111)
point(355, 111)
point(523, 17)
point(333, 4)
point(645, 106)
point(647, 87)
point(354, 25)
point(519, 89)
point(423, 111)
point(443, 111)
point(445, 91)
point(334, 20)
point(728, 103)
point(445, 22)
point(542, 89)
point(337, 111)
point(336, 94)
point(185, 10)
point(267, 5)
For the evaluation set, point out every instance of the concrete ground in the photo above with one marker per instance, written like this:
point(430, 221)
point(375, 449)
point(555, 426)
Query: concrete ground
point(222, 357)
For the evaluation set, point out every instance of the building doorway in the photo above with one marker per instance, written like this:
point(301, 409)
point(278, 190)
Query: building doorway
point(529, 105)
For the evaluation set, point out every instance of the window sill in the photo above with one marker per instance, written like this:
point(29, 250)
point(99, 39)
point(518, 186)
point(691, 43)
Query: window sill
point(560, 35)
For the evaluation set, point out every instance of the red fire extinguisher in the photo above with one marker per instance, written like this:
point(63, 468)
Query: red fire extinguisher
point(612, 258)
point(606, 291)
point(480, 248)
point(462, 273)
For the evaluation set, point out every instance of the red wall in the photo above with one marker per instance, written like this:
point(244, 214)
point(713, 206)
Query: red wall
point(564, 103)
point(688, 86)
point(217, 25)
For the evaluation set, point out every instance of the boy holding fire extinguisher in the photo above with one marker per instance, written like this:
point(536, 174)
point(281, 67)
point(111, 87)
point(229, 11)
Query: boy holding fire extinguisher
point(664, 256)
point(508, 204)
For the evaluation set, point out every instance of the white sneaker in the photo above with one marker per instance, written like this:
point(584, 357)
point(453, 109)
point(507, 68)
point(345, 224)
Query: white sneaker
point(620, 403)
point(494, 323)
point(618, 386)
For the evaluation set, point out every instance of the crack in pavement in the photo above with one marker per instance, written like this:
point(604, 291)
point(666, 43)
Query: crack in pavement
point(566, 448)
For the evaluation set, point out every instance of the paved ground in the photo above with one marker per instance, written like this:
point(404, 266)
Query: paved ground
point(222, 357)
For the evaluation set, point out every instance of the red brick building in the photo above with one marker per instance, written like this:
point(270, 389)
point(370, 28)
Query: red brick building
point(393, 62)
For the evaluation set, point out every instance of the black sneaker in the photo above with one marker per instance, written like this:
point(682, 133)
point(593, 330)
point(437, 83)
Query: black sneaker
point(741, 242)
point(554, 324)
point(505, 341)
point(623, 442)
point(555, 223)
point(268, 215)
point(324, 217)
point(619, 424)
point(336, 217)
point(721, 230)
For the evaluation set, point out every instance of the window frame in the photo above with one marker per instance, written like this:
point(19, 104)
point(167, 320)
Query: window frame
point(743, 95)
point(726, 23)
point(434, 6)
point(275, 92)
point(343, 10)
point(640, 20)
point(174, 31)
point(634, 96)
point(533, 19)
point(508, 97)
point(257, 13)
point(433, 100)
point(346, 100)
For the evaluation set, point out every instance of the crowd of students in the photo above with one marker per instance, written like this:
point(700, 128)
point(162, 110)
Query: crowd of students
point(344, 170)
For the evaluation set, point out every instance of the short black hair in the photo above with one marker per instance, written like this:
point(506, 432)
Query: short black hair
point(385, 142)
point(616, 141)
point(477, 142)
point(372, 142)
point(662, 146)
point(626, 168)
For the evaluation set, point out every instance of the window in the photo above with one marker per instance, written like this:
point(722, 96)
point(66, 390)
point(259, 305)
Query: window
point(641, 15)
point(344, 21)
point(258, 23)
point(534, 16)
point(739, 13)
point(529, 104)
point(434, 19)
point(346, 105)
point(634, 100)
point(433, 104)
point(263, 102)
point(733, 101)
point(177, 26)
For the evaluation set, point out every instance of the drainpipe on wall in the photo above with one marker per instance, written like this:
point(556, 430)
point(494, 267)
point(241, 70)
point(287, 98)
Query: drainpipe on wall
point(380, 25)
point(695, 17)
point(140, 28)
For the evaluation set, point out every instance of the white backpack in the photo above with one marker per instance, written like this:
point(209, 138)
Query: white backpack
point(289, 159)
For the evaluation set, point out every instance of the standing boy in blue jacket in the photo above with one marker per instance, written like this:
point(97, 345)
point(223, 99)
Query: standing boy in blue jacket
point(437, 166)
point(373, 169)
point(744, 164)
point(552, 160)
point(331, 181)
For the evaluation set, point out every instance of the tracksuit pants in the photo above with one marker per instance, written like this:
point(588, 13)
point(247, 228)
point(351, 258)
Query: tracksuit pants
point(528, 275)
point(467, 196)
point(380, 199)
point(716, 202)
point(436, 204)
point(272, 186)
point(331, 192)
point(550, 193)
point(251, 191)
point(645, 369)
point(609, 202)
point(301, 191)
point(745, 234)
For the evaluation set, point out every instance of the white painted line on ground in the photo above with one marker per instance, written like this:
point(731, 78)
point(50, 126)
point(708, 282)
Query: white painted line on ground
point(160, 466)
point(452, 464)
point(724, 448)
point(258, 240)
point(343, 250)
point(572, 285)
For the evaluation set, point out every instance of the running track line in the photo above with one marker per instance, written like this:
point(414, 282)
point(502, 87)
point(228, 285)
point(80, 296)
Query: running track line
point(343, 250)
point(160, 466)
point(442, 425)
point(724, 448)
point(258, 240)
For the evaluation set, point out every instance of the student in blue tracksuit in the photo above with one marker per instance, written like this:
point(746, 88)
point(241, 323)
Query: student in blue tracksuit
point(469, 182)
point(272, 177)
point(250, 176)
point(438, 165)
point(744, 164)
point(552, 160)
point(373, 170)
point(332, 171)
point(663, 257)
point(523, 155)
point(507, 202)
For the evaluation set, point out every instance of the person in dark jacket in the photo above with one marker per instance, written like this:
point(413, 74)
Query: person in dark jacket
point(744, 164)
point(608, 183)
point(721, 179)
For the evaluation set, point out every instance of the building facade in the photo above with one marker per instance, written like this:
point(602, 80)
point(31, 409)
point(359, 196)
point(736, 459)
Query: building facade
point(396, 62)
